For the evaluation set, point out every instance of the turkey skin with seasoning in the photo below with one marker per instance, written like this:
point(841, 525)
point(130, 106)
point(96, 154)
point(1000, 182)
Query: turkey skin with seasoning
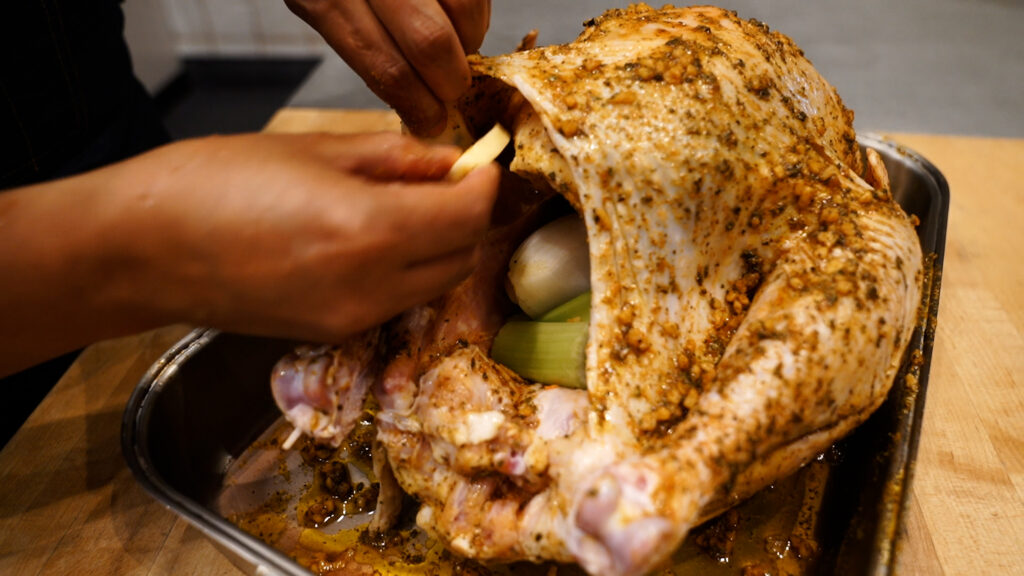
point(754, 287)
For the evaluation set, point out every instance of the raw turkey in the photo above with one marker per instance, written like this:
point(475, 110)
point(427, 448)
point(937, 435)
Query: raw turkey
point(754, 288)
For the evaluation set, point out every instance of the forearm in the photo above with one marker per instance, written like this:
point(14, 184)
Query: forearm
point(64, 269)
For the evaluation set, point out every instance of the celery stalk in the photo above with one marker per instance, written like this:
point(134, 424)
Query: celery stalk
point(544, 352)
point(575, 310)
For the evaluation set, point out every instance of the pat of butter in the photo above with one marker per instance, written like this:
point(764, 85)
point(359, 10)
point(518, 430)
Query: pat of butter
point(478, 427)
point(483, 151)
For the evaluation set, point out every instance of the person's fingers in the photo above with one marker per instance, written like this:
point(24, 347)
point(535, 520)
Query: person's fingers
point(441, 218)
point(430, 42)
point(412, 286)
point(427, 280)
point(354, 30)
point(391, 156)
point(471, 19)
point(416, 212)
point(384, 156)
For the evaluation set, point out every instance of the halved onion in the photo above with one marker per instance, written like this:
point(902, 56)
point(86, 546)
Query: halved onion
point(550, 267)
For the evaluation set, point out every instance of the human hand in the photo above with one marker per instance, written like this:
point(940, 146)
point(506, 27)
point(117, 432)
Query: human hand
point(410, 54)
point(308, 236)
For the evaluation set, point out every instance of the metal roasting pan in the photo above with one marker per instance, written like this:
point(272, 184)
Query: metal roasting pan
point(208, 398)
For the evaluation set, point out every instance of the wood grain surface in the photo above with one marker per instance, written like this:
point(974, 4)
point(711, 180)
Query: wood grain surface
point(68, 503)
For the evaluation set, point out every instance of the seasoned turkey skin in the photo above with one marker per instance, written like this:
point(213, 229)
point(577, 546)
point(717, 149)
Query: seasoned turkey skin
point(696, 145)
point(755, 286)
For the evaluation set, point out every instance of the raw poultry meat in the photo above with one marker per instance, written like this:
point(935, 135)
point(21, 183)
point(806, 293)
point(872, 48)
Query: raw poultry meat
point(754, 288)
